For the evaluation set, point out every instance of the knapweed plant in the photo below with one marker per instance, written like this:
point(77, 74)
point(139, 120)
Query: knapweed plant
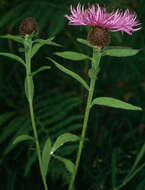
point(28, 32)
point(101, 24)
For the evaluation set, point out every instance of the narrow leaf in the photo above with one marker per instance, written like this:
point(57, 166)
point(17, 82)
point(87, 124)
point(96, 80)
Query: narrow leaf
point(39, 43)
point(66, 137)
point(129, 178)
point(135, 173)
point(41, 69)
point(68, 163)
point(46, 155)
point(72, 55)
point(84, 42)
point(35, 48)
point(31, 159)
point(13, 37)
point(119, 51)
point(22, 138)
point(138, 158)
point(115, 103)
point(72, 74)
point(48, 42)
point(41, 40)
point(10, 55)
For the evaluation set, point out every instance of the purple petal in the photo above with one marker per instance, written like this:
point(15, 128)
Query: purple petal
point(97, 16)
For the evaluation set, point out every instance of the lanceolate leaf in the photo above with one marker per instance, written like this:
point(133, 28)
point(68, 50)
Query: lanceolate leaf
point(40, 40)
point(35, 48)
point(22, 138)
point(138, 158)
point(10, 55)
point(13, 37)
point(46, 155)
point(68, 163)
point(114, 103)
point(72, 55)
point(48, 42)
point(41, 69)
point(119, 51)
point(85, 42)
point(39, 43)
point(67, 137)
point(72, 74)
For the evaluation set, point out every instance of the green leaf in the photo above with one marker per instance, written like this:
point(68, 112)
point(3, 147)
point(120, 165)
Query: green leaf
point(22, 138)
point(10, 55)
point(29, 91)
point(46, 155)
point(31, 159)
point(119, 51)
point(114, 103)
point(84, 42)
point(14, 37)
point(48, 42)
point(41, 40)
point(66, 137)
point(70, 73)
point(35, 48)
point(138, 158)
point(134, 173)
point(39, 43)
point(72, 55)
point(68, 163)
point(41, 69)
point(129, 178)
point(12, 126)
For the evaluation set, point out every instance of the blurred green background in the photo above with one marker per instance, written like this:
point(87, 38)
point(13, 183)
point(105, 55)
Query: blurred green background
point(114, 136)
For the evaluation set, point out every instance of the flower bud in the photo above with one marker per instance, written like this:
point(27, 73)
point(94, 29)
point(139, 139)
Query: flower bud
point(29, 26)
point(99, 36)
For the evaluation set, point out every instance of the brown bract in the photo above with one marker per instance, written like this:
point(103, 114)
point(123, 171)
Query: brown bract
point(29, 26)
point(99, 36)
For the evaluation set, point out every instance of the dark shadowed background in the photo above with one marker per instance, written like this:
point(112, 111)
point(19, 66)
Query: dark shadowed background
point(114, 136)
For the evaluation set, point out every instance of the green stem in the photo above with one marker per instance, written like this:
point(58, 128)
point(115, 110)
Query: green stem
point(29, 81)
point(86, 117)
point(37, 145)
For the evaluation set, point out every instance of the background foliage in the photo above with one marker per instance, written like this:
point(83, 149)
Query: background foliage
point(114, 136)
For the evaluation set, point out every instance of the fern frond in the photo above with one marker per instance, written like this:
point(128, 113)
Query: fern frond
point(55, 115)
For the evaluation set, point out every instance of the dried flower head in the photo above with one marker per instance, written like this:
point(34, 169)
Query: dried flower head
point(98, 17)
point(29, 26)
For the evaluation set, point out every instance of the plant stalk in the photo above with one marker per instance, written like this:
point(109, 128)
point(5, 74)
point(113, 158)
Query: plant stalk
point(29, 81)
point(86, 117)
point(37, 145)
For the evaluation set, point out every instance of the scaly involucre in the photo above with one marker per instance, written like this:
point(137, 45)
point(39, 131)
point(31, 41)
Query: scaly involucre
point(97, 16)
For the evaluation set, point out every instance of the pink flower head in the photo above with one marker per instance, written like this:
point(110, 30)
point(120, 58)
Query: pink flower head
point(97, 16)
